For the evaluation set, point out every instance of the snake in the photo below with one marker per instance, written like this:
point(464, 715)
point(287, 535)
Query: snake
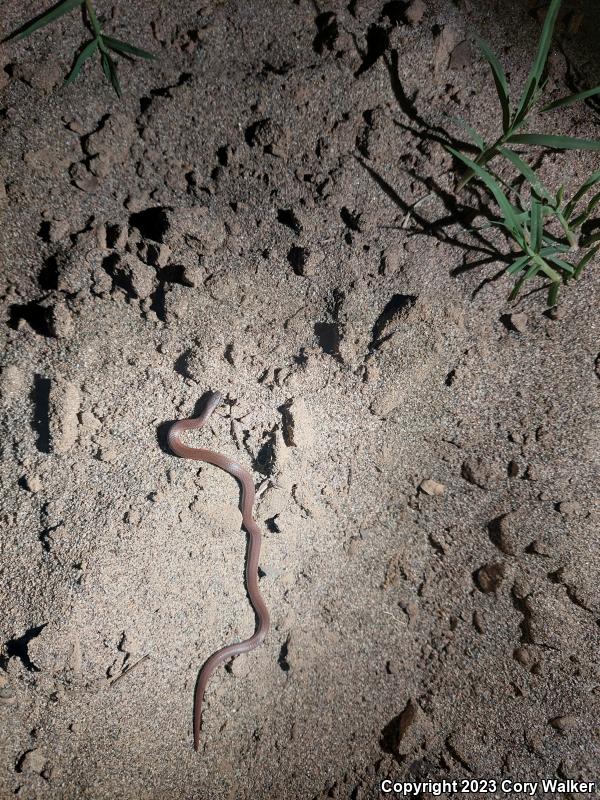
point(254, 541)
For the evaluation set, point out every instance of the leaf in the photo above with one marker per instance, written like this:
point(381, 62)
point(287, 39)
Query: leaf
point(124, 47)
point(518, 265)
point(110, 70)
point(505, 206)
point(516, 288)
point(554, 142)
point(589, 182)
point(585, 260)
point(578, 221)
point(526, 171)
point(536, 224)
point(87, 52)
point(569, 268)
point(500, 81)
point(44, 19)
point(537, 70)
point(572, 98)
point(555, 248)
point(475, 137)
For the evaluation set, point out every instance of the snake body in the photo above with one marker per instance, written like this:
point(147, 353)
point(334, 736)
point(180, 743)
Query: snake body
point(247, 502)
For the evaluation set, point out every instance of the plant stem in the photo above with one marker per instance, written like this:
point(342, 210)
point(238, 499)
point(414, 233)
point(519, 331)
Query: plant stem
point(93, 18)
point(483, 159)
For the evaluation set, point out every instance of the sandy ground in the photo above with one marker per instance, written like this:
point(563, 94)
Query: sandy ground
point(239, 222)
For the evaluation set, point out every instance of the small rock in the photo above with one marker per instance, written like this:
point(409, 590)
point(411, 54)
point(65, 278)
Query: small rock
point(8, 696)
point(57, 230)
point(107, 453)
point(480, 472)
point(462, 56)
point(83, 179)
point(445, 42)
point(415, 11)
point(524, 656)
point(32, 761)
point(11, 381)
point(60, 321)
point(305, 260)
point(297, 424)
point(505, 534)
point(570, 508)
point(519, 322)
point(391, 260)
point(63, 408)
point(489, 577)
point(431, 487)
point(386, 400)
point(32, 483)
point(564, 723)
point(479, 621)
point(117, 236)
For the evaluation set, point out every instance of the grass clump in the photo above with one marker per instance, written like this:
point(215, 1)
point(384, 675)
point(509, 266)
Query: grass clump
point(549, 231)
point(552, 235)
point(100, 43)
point(515, 116)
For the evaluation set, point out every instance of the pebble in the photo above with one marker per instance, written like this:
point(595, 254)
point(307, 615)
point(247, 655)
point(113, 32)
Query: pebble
point(32, 483)
point(564, 723)
point(505, 534)
point(415, 11)
point(489, 577)
point(518, 322)
point(33, 761)
point(64, 406)
point(8, 696)
point(570, 508)
point(391, 259)
point(431, 487)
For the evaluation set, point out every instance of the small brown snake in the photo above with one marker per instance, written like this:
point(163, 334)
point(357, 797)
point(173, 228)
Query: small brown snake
point(247, 501)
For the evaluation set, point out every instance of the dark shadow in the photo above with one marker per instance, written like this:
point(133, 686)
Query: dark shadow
point(152, 223)
point(378, 41)
point(328, 337)
point(18, 647)
point(40, 399)
point(327, 32)
point(34, 314)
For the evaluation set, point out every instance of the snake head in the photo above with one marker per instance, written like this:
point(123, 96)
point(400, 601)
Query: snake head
point(214, 399)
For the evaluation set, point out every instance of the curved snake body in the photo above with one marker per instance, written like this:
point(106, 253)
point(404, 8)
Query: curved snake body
point(247, 501)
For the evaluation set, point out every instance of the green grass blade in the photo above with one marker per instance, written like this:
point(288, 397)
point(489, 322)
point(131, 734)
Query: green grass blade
point(537, 70)
point(110, 70)
point(589, 182)
point(572, 98)
point(477, 140)
point(510, 216)
point(553, 249)
point(83, 56)
point(584, 261)
point(518, 265)
point(567, 266)
point(44, 19)
point(535, 224)
point(526, 171)
point(500, 81)
point(124, 47)
point(554, 142)
point(578, 221)
point(516, 288)
point(553, 294)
